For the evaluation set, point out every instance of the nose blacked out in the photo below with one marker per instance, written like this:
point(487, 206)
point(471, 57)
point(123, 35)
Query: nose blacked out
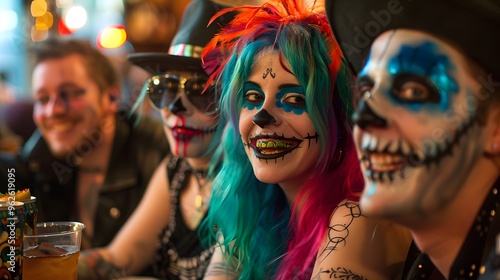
point(177, 106)
point(263, 118)
point(364, 117)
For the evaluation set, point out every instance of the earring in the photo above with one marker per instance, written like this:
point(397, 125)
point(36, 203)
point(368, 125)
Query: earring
point(339, 153)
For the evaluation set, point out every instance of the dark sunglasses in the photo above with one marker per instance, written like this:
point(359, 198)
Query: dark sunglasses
point(162, 91)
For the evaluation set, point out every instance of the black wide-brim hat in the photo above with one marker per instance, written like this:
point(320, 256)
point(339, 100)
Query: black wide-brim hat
point(186, 47)
point(473, 26)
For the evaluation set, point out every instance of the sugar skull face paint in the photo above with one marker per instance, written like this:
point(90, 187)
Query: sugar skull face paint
point(279, 136)
point(189, 130)
point(416, 132)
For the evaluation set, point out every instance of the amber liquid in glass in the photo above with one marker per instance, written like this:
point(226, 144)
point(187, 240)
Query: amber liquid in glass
point(49, 267)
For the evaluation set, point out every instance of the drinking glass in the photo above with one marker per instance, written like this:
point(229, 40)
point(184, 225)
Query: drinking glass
point(52, 253)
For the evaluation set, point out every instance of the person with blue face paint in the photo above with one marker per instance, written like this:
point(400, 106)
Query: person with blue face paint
point(427, 126)
point(285, 202)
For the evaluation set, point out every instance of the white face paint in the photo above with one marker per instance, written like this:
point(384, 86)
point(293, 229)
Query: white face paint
point(416, 129)
point(279, 136)
point(190, 131)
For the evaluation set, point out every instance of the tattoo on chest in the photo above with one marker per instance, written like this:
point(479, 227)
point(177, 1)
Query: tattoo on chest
point(338, 273)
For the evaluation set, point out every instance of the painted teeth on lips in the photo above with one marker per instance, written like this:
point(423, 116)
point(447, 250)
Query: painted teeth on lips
point(272, 146)
point(262, 144)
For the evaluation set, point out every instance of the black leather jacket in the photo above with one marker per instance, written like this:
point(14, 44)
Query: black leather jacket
point(138, 148)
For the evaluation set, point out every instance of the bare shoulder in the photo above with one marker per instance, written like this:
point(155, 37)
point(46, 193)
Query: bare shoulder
point(361, 247)
point(159, 178)
point(345, 211)
point(348, 216)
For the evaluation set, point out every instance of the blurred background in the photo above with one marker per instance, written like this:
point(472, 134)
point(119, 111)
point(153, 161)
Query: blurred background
point(117, 27)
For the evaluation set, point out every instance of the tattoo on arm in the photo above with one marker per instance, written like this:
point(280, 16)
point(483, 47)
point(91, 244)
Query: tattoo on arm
point(91, 265)
point(337, 233)
point(339, 273)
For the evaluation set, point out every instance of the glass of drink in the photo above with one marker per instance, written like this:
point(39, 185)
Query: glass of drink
point(52, 253)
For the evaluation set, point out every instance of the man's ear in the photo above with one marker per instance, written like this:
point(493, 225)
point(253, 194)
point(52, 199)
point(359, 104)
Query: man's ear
point(114, 99)
point(493, 145)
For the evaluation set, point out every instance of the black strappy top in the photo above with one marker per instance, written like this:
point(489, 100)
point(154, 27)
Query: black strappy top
point(180, 254)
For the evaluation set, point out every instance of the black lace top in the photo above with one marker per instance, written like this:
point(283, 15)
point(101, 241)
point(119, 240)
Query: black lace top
point(180, 254)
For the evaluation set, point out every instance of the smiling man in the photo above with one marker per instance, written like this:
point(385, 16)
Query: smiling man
point(87, 161)
point(427, 125)
point(415, 128)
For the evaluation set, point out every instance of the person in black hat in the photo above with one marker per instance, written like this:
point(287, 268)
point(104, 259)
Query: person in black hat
point(427, 125)
point(163, 229)
point(285, 202)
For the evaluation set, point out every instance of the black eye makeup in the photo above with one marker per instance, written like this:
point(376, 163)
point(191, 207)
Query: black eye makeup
point(413, 88)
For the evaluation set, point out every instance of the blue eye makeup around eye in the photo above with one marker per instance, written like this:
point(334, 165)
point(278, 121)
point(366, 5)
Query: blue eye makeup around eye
point(291, 92)
point(254, 96)
point(425, 61)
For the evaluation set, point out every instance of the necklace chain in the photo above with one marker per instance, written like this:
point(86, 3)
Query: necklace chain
point(199, 174)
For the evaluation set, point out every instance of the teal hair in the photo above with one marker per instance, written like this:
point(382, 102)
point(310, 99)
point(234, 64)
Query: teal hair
point(136, 107)
point(257, 238)
point(254, 217)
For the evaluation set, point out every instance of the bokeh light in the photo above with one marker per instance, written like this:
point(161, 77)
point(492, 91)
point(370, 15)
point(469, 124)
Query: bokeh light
point(38, 8)
point(44, 22)
point(63, 29)
point(63, 3)
point(8, 20)
point(38, 35)
point(76, 17)
point(112, 37)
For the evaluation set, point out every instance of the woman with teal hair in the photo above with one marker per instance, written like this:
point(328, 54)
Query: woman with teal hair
point(285, 203)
